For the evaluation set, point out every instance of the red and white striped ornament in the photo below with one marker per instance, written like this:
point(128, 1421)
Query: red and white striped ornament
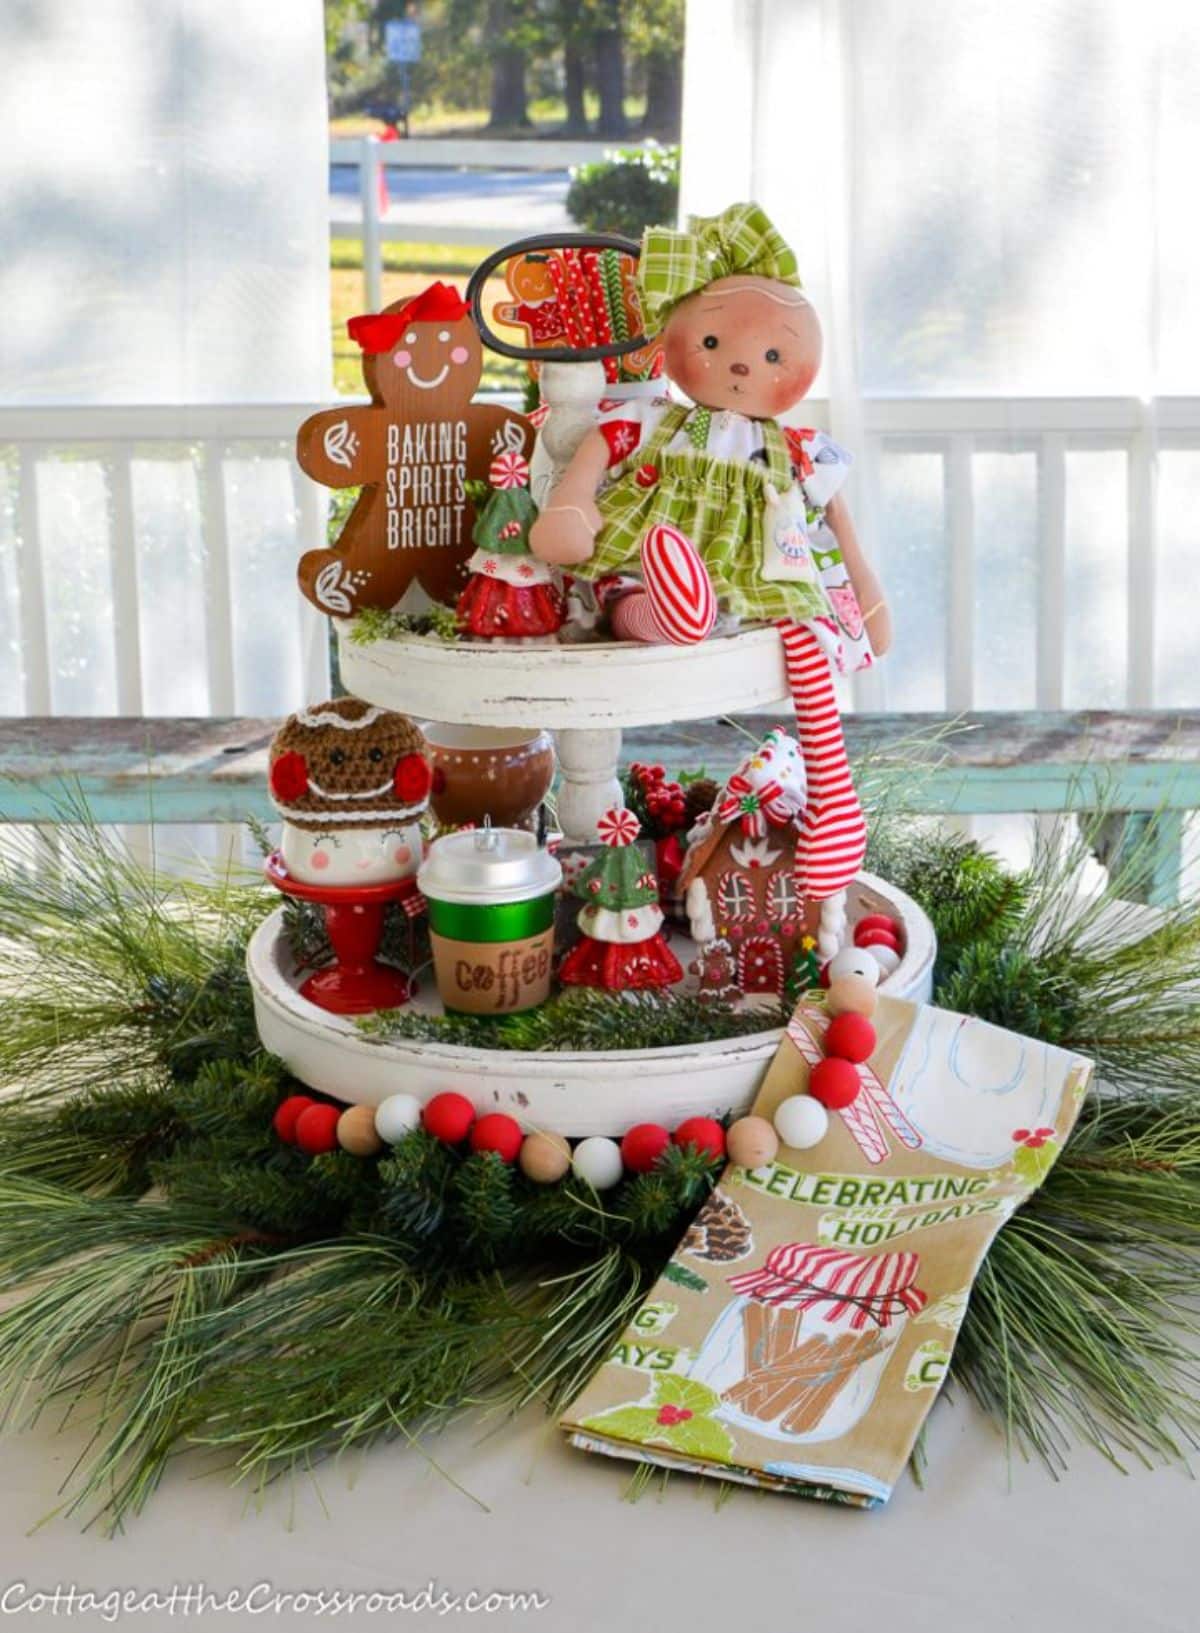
point(618, 827)
point(510, 470)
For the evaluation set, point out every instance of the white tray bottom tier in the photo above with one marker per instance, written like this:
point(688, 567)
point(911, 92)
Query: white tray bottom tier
point(566, 1093)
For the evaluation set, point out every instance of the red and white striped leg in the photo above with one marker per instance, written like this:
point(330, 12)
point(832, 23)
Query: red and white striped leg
point(633, 619)
point(833, 833)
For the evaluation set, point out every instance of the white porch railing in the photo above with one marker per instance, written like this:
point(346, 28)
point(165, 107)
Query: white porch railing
point(535, 210)
point(73, 582)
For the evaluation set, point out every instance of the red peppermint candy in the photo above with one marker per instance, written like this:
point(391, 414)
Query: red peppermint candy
point(289, 776)
point(509, 471)
point(646, 476)
point(618, 827)
point(412, 779)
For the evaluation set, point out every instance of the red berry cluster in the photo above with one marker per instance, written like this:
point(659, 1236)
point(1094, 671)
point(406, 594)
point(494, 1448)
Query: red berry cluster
point(661, 804)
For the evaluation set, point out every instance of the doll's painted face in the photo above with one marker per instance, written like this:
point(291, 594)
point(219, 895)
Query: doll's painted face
point(749, 344)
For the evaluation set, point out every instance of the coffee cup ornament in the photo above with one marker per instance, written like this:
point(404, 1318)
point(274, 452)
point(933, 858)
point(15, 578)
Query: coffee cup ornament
point(350, 781)
point(490, 894)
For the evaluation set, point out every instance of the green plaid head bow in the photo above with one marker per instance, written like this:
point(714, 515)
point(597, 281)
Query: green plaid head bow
point(674, 264)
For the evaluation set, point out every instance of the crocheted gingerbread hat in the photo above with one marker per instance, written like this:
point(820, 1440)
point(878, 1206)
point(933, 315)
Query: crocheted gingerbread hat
point(349, 764)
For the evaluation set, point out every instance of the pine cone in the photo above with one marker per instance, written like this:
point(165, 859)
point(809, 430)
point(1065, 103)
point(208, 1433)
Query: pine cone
point(699, 796)
point(720, 1232)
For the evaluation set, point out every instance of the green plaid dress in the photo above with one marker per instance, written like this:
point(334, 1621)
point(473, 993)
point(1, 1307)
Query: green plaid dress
point(716, 503)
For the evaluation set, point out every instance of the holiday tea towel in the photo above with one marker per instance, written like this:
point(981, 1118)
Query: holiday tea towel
point(801, 1332)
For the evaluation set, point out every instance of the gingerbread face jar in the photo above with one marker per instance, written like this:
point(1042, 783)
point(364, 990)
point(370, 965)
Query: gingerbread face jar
point(350, 782)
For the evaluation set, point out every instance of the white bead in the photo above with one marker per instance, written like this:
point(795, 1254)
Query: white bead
point(597, 1162)
point(800, 1121)
point(887, 958)
point(397, 1116)
point(855, 961)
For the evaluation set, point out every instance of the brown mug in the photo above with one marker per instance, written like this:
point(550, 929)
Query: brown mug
point(488, 771)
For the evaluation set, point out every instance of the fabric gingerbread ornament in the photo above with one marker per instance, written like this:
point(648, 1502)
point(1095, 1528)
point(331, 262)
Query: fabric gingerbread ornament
point(413, 449)
point(715, 508)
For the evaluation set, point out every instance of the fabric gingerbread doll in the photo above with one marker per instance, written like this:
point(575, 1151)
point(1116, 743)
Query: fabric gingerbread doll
point(413, 448)
point(715, 506)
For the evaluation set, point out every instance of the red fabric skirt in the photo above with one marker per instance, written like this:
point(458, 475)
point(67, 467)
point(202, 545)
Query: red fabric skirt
point(618, 967)
point(490, 607)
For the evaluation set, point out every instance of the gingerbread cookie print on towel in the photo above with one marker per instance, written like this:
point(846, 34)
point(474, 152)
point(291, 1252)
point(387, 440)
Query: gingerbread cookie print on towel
point(412, 449)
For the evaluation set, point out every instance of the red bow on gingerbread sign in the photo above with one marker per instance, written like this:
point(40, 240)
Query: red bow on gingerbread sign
point(755, 806)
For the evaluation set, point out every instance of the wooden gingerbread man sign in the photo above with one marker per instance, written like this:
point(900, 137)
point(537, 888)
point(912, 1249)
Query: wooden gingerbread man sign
point(413, 450)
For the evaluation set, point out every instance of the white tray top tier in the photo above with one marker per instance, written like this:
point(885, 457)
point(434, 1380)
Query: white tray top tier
point(593, 686)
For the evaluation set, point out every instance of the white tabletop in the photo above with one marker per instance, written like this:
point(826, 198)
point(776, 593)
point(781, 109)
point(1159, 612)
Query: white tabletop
point(971, 1552)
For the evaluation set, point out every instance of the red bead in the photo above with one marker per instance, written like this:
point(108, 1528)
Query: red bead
point(286, 1113)
point(850, 1037)
point(316, 1128)
point(835, 1083)
point(705, 1133)
point(877, 938)
point(643, 1146)
point(448, 1117)
point(876, 921)
point(497, 1132)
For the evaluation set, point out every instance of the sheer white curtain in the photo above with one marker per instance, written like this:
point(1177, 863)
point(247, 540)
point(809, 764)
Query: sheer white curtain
point(993, 202)
point(164, 245)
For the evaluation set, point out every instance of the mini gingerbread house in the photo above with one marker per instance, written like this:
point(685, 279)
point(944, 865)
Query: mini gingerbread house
point(738, 882)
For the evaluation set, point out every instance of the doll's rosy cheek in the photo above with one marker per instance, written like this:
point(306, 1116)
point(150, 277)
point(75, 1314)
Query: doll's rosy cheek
point(402, 359)
point(459, 354)
point(320, 859)
point(402, 854)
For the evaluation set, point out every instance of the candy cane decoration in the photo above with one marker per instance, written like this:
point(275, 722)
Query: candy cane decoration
point(874, 1107)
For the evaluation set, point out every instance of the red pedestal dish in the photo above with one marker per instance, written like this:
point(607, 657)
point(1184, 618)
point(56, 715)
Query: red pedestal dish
point(356, 983)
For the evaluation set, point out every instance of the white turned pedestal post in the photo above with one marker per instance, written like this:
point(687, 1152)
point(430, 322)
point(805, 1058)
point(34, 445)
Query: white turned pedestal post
point(588, 761)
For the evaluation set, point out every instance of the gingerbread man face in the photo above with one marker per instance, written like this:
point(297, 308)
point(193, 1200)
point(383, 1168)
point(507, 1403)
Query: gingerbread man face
point(346, 765)
point(413, 450)
point(439, 358)
point(747, 344)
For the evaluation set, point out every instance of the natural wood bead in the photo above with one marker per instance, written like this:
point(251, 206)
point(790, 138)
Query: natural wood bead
point(356, 1131)
point(544, 1158)
point(851, 995)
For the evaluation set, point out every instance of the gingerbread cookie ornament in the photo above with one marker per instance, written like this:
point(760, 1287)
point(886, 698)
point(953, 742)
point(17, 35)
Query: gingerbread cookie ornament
point(412, 448)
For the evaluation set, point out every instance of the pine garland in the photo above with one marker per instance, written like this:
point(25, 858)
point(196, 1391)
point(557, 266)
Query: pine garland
point(164, 1256)
point(583, 1019)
